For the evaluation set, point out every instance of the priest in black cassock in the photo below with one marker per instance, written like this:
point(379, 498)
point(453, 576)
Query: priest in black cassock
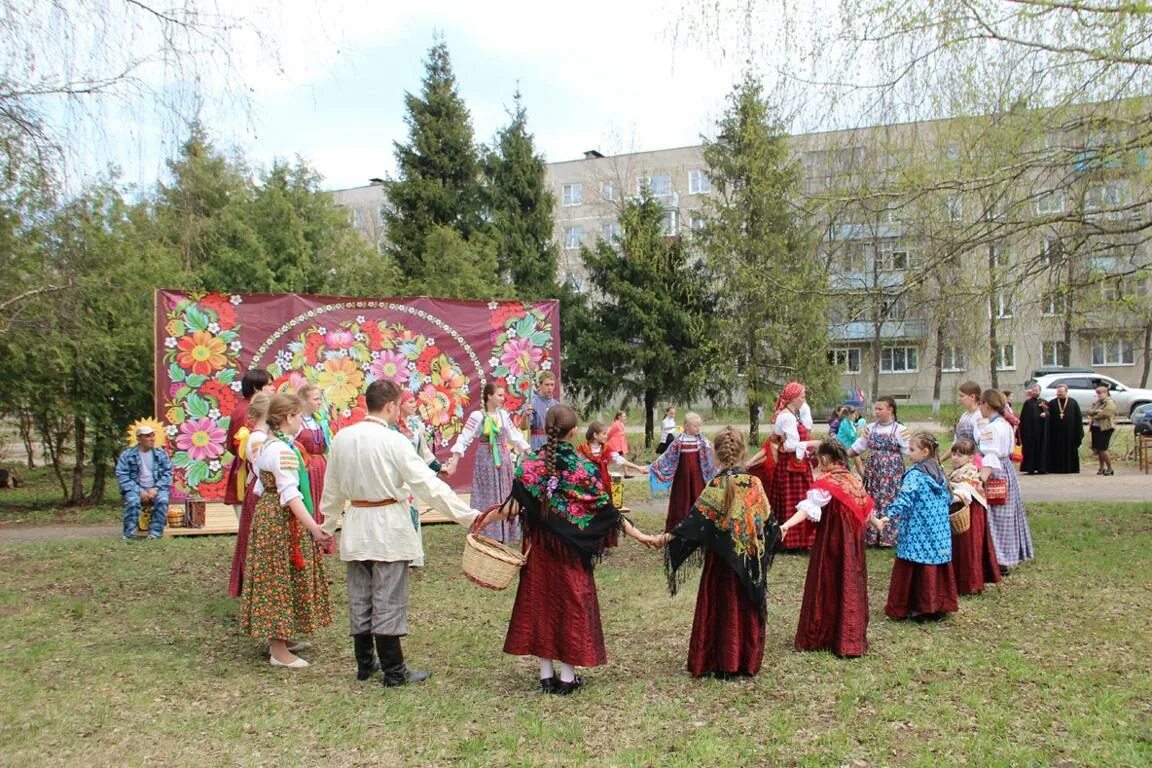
point(1065, 432)
point(1033, 432)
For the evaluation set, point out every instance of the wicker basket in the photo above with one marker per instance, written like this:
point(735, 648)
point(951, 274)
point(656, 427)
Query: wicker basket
point(960, 517)
point(175, 517)
point(488, 562)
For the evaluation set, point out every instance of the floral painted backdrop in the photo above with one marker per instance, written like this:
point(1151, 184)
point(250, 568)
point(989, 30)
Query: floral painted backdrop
point(441, 351)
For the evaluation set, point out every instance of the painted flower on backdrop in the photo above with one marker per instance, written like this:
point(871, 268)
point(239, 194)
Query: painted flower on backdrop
point(389, 366)
point(341, 379)
point(201, 353)
point(201, 438)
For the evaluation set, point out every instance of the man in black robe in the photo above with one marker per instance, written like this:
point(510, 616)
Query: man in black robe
point(1033, 432)
point(1065, 433)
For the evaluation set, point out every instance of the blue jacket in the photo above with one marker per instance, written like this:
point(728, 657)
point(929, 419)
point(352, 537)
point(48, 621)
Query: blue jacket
point(128, 471)
point(920, 512)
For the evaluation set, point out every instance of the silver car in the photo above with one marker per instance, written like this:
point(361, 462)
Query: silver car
point(1082, 388)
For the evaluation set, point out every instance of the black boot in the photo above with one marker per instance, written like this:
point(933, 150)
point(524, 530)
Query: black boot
point(365, 656)
point(391, 655)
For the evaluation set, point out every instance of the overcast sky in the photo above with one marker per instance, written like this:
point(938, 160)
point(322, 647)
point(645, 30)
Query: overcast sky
point(329, 82)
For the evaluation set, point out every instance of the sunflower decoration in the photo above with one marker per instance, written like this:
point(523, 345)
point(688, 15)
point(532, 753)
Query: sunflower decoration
point(147, 421)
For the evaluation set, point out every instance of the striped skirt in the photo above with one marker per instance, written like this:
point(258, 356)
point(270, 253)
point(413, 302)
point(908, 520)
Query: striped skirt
point(490, 486)
point(1008, 522)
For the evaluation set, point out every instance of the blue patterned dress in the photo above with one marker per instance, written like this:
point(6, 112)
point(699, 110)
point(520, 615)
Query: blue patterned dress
point(883, 474)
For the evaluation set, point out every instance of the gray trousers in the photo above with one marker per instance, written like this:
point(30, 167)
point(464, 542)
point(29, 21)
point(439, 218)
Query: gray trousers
point(377, 597)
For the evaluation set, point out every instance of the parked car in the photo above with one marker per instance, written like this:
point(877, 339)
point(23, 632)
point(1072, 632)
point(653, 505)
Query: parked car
point(1142, 419)
point(1082, 383)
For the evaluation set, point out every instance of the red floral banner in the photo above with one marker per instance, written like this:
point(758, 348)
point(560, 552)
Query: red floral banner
point(442, 351)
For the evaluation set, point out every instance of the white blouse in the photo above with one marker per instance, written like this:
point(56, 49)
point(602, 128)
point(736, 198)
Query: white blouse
point(786, 425)
point(997, 439)
point(508, 432)
point(894, 428)
point(813, 504)
point(613, 458)
point(667, 427)
point(279, 459)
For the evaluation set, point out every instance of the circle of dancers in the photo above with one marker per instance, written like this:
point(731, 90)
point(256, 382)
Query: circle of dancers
point(729, 513)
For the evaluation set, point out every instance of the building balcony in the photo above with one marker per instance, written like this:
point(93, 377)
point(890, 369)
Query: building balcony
point(890, 330)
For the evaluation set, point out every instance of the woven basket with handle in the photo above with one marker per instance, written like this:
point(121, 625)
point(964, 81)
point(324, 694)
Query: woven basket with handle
point(487, 562)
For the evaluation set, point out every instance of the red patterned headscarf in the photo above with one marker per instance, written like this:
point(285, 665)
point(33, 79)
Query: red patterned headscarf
point(792, 390)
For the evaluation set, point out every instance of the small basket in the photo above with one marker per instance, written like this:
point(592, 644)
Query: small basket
point(996, 491)
point(487, 562)
point(960, 517)
point(175, 517)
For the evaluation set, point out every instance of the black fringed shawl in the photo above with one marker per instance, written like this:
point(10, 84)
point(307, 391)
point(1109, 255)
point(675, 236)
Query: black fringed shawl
point(743, 536)
point(580, 515)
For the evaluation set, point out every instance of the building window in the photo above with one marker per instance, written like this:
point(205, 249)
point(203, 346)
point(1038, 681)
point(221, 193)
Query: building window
point(1051, 251)
point(670, 223)
point(1053, 303)
point(572, 237)
point(356, 218)
point(1054, 353)
point(898, 360)
point(611, 231)
point(698, 182)
point(952, 360)
point(1000, 256)
point(1113, 352)
point(658, 184)
point(1110, 290)
point(1108, 197)
point(891, 255)
point(955, 208)
point(572, 194)
point(1006, 357)
point(845, 360)
point(1050, 202)
point(698, 221)
point(609, 191)
point(1003, 303)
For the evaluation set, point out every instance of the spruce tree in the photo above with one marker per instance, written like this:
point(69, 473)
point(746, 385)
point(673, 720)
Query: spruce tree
point(438, 178)
point(520, 207)
point(772, 289)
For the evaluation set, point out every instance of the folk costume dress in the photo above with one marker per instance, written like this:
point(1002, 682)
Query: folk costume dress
point(792, 477)
point(537, 437)
point(886, 444)
point(923, 582)
point(834, 613)
point(492, 471)
point(973, 552)
point(687, 466)
point(413, 430)
point(250, 444)
point(237, 482)
point(566, 518)
point(599, 455)
point(314, 439)
point(1008, 522)
point(735, 546)
point(286, 588)
point(767, 468)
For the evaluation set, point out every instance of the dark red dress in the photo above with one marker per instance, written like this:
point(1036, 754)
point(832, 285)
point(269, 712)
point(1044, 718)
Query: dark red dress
point(728, 627)
point(243, 531)
point(687, 485)
point(239, 418)
point(557, 612)
point(791, 480)
point(974, 555)
point(765, 469)
point(917, 589)
point(834, 613)
point(313, 445)
point(601, 461)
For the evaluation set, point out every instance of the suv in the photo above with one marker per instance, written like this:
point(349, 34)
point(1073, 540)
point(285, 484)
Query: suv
point(1082, 383)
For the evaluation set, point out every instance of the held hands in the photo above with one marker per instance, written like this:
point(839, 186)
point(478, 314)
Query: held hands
point(878, 523)
point(449, 468)
point(319, 536)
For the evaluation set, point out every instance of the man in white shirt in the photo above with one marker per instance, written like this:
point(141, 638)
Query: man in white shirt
point(373, 468)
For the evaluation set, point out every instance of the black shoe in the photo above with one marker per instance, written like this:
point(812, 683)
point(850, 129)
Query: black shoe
point(561, 688)
point(394, 678)
point(366, 664)
point(1108, 473)
point(547, 684)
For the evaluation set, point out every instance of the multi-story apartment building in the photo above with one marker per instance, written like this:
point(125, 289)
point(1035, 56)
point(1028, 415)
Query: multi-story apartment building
point(935, 280)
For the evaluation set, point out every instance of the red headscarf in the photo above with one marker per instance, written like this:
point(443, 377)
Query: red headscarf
point(792, 390)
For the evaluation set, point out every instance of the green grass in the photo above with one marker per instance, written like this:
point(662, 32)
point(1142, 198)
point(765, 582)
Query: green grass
point(39, 501)
point(120, 654)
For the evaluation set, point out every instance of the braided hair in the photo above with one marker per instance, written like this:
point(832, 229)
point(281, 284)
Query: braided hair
point(559, 421)
point(928, 441)
point(832, 450)
point(730, 452)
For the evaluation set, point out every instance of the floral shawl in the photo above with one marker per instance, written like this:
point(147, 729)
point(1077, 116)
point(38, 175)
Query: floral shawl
point(664, 468)
point(969, 475)
point(847, 489)
point(742, 536)
point(580, 514)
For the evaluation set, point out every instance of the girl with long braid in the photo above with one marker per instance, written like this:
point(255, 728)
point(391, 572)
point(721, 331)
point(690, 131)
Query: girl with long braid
point(731, 532)
point(566, 516)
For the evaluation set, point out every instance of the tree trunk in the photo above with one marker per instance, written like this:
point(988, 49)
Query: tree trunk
point(753, 421)
point(50, 441)
point(99, 474)
point(938, 376)
point(27, 430)
point(649, 415)
point(993, 343)
point(1147, 354)
point(76, 498)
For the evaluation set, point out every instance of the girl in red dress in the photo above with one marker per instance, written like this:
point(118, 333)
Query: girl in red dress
point(973, 552)
point(731, 531)
point(687, 466)
point(792, 476)
point(566, 516)
point(249, 440)
point(594, 449)
point(834, 614)
point(313, 442)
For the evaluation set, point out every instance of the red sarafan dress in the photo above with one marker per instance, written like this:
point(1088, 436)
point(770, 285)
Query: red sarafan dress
point(313, 444)
point(791, 480)
point(687, 464)
point(601, 457)
point(728, 628)
point(557, 612)
point(973, 552)
point(834, 613)
point(237, 479)
point(249, 446)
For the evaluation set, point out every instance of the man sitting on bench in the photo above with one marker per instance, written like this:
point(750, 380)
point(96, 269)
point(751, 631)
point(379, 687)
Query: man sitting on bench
point(144, 473)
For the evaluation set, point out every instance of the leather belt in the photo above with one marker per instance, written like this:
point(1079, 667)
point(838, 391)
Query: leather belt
point(380, 503)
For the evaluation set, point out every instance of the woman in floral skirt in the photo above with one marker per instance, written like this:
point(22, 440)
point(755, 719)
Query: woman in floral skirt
point(887, 444)
point(286, 589)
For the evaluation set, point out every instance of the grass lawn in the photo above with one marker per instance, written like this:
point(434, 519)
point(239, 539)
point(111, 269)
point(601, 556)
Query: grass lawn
point(128, 654)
